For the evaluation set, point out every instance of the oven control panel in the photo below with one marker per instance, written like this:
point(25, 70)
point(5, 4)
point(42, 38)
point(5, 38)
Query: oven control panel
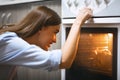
point(95, 5)
point(100, 7)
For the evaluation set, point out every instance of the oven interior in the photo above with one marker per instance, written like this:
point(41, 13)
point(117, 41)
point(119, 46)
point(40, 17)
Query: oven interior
point(96, 57)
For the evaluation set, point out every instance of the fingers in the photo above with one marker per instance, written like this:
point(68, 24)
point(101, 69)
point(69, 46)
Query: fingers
point(85, 13)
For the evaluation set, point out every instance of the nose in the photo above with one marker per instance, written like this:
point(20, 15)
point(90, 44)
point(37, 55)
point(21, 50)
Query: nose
point(54, 38)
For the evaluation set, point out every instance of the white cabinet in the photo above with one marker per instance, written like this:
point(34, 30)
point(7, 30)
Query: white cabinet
point(10, 2)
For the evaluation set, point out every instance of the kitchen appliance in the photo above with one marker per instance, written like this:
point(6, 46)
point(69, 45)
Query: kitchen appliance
point(98, 51)
point(97, 55)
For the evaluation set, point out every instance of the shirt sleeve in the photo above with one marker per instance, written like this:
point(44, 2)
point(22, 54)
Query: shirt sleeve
point(16, 51)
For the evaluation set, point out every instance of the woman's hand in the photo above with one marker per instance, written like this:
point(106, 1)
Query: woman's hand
point(84, 14)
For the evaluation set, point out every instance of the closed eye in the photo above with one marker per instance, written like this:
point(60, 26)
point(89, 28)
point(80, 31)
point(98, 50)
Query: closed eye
point(56, 31)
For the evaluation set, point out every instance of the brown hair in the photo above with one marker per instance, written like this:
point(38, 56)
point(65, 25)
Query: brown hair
point(40, 17)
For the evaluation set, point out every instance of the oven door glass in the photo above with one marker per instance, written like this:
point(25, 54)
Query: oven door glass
point(96, 56)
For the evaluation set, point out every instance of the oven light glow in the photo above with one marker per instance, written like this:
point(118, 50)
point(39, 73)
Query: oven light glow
point(90, 35)
point(110, 34)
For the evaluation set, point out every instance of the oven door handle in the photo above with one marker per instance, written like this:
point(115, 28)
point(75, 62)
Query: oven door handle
point(94, 17)
point(104, 16)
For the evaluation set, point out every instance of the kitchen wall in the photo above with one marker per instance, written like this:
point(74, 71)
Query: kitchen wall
point(11, 14)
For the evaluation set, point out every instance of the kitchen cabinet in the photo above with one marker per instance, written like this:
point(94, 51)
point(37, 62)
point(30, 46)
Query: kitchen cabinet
point(11, 2)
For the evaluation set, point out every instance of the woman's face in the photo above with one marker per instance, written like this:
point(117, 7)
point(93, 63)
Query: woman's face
point(47, 36)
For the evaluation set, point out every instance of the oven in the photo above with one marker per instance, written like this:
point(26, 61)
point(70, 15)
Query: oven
point(98, 51)
point(96, 56)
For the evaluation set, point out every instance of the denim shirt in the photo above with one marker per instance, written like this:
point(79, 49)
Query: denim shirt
point(17, 52)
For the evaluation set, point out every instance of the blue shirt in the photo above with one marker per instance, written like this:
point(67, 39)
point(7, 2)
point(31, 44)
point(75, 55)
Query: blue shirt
point(15, 51)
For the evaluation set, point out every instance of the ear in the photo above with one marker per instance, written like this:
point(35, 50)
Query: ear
point(39, 31)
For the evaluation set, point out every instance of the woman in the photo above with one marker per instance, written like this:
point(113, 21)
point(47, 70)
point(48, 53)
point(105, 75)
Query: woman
point(27, 43)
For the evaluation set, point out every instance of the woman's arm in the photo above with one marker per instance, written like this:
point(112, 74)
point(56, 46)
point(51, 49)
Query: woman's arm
point(69, 49)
